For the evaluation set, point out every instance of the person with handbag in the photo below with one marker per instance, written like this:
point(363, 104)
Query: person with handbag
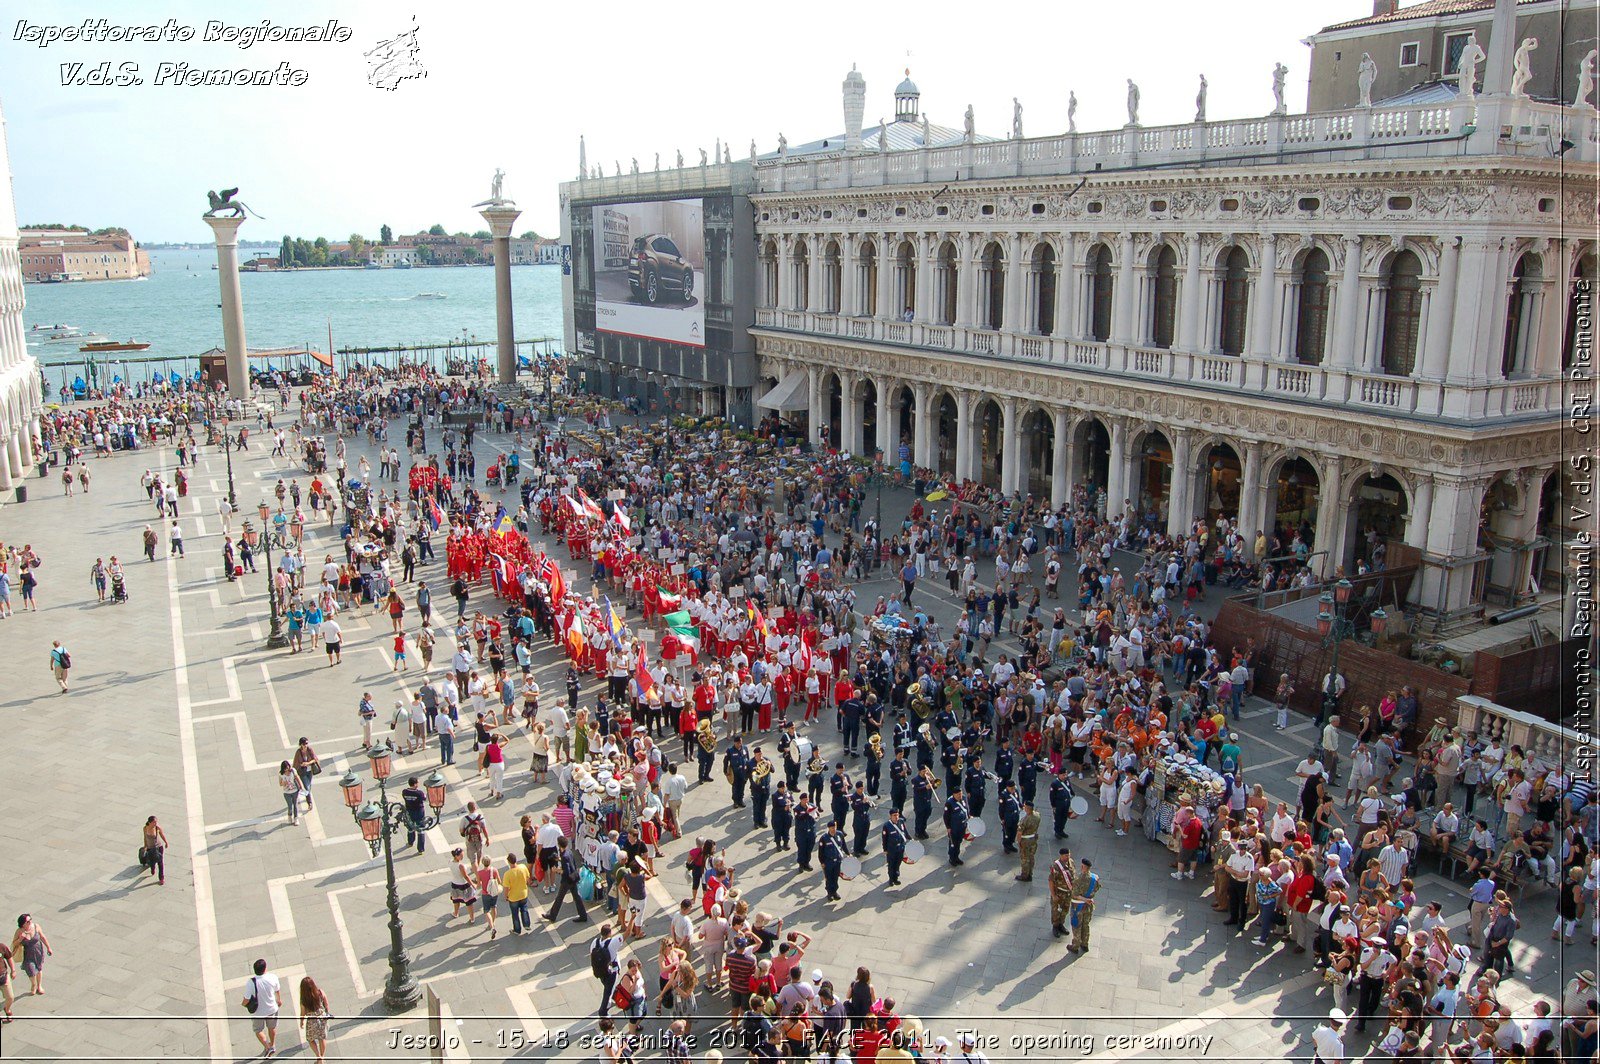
point(153, 850)
point(489, 888)
point(306, 764)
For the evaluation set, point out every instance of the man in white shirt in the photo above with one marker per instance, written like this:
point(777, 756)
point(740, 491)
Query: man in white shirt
point(264, 988)
point(1308, 768)
point(1330, 749)
point(332, 634)
point(1328, 1038)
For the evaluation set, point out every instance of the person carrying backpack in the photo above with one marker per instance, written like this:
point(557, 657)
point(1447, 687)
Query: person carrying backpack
point(603, 953)
point(60, 663)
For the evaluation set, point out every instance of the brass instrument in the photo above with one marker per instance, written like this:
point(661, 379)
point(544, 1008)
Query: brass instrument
point(933, 781)
point(816, 764)
point(708, 739)
point(876, 742)
point(763, 769)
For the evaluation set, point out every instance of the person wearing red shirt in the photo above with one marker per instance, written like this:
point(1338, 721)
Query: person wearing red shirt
point(867, 1040)
point(705, 701)
point(1297, 900)
point(688, 720)
point(843, 690)
point(782, 690)
point(1193, 834)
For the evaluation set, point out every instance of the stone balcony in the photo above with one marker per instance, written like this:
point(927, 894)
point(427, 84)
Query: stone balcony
point(1504, 126)
point(1495, 401)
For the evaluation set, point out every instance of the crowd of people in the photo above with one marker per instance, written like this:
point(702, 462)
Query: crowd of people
point(1032, 661)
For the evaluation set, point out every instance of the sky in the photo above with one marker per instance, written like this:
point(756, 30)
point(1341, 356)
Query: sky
point(513, 86)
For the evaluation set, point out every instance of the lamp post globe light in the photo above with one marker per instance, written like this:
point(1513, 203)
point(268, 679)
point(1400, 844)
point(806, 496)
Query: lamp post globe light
point(227, 449)
point(273, 534)
point(378, 820)
point(1336, 622)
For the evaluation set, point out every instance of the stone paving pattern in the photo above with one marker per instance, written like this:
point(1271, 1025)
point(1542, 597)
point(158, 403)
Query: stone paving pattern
point(145, 972)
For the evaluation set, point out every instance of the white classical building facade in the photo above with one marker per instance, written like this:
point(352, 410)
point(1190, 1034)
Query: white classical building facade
point(20, 401)
point(1357, 324)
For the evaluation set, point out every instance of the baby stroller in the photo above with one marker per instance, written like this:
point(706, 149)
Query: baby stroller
point(119, 588)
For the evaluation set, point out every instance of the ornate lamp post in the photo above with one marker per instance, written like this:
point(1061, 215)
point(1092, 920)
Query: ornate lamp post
point(378, 821)
point(272, 535)
point(227, 449)
point(1336, 622)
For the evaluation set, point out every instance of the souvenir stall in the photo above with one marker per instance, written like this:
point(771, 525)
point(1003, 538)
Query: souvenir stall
point(1179, 778)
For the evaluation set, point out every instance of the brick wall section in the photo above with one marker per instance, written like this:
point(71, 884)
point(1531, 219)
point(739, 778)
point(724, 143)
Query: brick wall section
point(1285, 646)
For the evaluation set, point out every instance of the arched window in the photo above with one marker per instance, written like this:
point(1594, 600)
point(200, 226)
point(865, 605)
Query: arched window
point(1402, 314)
point(1516, 354)
point(1044, 290)
point(832, 278)
point(868, 288)
point(1164, 297)
point(1580, 311)
point(769, 274)
point(945, 276)
point(1311, 311)
point(802, 276)
point(993, 277)
point(1100, 292)
point(1235, 302)
point(905, 270)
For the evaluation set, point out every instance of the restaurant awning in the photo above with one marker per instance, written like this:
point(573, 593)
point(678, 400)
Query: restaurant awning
point(791, 393)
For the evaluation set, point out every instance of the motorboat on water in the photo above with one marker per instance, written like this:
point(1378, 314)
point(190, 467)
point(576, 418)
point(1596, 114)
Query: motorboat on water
point(429, 295)
point(115, 345)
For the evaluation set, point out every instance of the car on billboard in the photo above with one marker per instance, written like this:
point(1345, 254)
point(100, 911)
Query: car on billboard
point(656, 269)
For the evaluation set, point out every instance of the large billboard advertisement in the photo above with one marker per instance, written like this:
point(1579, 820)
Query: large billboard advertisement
point(649, 270)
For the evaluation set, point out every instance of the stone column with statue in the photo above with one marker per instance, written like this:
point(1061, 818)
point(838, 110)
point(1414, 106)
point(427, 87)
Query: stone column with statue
point(225, 216)
point(501, 214)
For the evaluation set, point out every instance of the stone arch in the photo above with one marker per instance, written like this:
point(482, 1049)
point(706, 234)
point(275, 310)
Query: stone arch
point(1377, 506)
point(832, 408)
point(1293, 500)
point(1150, 487)
point(1091, 439)
point(988, 441)
point(945, 409)
point(1037, 425)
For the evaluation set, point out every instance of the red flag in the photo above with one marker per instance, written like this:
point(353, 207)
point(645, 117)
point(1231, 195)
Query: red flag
point(552, 575)
point(643, 682)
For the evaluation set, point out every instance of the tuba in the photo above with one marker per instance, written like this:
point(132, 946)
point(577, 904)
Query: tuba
point(708, 739)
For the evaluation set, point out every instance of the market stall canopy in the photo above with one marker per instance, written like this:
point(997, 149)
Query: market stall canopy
point(791, 393)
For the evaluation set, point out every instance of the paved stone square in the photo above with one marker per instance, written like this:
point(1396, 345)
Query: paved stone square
point(177, 710)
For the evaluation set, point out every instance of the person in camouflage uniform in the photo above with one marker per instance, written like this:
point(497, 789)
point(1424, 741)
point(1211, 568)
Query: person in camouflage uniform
point(1061, 875)
point(1027, 841)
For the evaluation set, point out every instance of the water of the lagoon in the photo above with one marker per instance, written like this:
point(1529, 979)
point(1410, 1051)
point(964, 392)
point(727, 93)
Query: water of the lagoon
point(175, 309)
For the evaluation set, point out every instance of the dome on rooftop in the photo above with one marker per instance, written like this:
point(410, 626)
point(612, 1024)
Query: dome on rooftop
point(907, 87)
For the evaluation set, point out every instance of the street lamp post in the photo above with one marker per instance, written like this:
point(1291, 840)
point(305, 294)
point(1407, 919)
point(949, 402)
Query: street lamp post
point(276, 640)
point(379, 821)
point(227, 449)
point(1336, 622)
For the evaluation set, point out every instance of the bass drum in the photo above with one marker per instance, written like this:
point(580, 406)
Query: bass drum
point(849, 868)
point(976, 828)
point(915, 851)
